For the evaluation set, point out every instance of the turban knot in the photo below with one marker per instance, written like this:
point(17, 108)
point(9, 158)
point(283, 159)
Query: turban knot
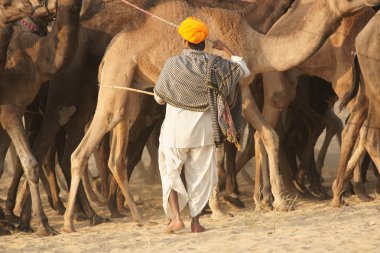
point(193, 30)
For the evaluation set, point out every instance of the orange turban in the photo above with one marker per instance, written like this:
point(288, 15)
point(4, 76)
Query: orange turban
point(193, 30)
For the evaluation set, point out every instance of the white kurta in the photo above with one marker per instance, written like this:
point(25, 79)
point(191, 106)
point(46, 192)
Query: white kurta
point(186, 142)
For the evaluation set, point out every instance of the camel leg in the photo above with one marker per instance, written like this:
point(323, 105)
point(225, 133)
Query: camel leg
point(262, 175)
point(217, 212)
point(117, 162)
point(349, 136)
point(88, 187)
point(12, 122)
point(106, 117)
point(112, 202)
point(49, 166)
point(152, 147)
point(248, 152)
point(222, 177)
point(358, 184)
point(10, 202)
point(99, 156)
point(79, 159)
point(278, 92)
point(334, 126)
point(231, 182)
point(4, 146)
point(75, 131)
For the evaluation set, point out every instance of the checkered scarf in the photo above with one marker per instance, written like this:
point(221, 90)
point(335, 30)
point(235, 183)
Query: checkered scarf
point(198, 81)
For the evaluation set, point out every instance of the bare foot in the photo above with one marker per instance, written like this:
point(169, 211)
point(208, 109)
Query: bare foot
point(175, 225)
point(197, 228)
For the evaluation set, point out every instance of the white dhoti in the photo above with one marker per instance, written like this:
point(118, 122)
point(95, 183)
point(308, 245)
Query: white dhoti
point(199, 166)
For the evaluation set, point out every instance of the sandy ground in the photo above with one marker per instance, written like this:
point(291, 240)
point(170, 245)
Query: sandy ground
point(313, 227)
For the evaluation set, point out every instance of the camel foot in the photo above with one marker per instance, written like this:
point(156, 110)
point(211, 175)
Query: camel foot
point(51, 204)
point(264, 205)
point(300, 187)
point(2, 214)
point(319, 193)
point(80, 216)
point(11, 217)
point(60, 208)
point(117, 215)
point(337, 202)
point(7, 227)
point(206, 210)
point(96, 220)
point(25, 227)
point(46, 230)
point(234, 201)
point(4, 232)
point(365, 197)
point(220, 215)
point(377, 189)
point(280, 205)
point(360, 191)
point(68, 228)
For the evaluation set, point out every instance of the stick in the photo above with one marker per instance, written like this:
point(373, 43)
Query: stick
point(127, 89)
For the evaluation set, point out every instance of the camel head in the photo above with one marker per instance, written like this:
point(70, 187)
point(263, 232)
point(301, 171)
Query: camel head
point(343, 8)
point(13, 10)
point(44, 14)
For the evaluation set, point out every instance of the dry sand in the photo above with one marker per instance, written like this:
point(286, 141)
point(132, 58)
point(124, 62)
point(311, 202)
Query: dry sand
point(313, 227)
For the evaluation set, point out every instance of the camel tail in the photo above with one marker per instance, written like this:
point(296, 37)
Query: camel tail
point(355, 84)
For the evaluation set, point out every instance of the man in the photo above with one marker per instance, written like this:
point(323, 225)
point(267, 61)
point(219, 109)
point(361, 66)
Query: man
point(198, 88)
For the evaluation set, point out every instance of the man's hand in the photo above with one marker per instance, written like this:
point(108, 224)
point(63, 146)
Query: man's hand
point(219, 45)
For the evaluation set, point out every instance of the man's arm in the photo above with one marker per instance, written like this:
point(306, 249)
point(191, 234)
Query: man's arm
point(161, 82)
point(218, 44)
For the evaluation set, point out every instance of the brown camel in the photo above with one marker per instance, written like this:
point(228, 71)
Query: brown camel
point(364, 117)
point(330, 63)
point(10, 12)
point(31, 62)
point(261, 52)
point(80, 90)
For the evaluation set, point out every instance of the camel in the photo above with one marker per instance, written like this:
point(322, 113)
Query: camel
point(11, 11)
point(330, 63)
point(261, 53)
point(306, 124)
point(363, 121)
point(79, 91)
point(31, 62)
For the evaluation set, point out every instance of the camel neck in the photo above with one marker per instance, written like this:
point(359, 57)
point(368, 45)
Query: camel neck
point(280, 53)
point(6, 31)
point(62, 41)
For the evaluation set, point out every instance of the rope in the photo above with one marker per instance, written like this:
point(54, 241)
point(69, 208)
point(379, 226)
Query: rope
point(127, 89)
point(149, 14)
point(153, 16)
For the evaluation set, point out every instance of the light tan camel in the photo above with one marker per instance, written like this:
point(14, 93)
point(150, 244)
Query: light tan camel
point(31, 62)
point(365, 115)
point(77, 86)
point(331, 62)
point(142, 62)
